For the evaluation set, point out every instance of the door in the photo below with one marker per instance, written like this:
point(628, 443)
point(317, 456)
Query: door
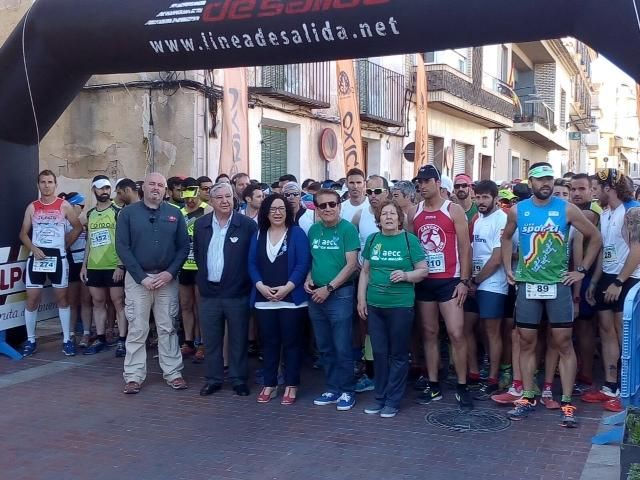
point(274, 154)
point(459, 158)
point(485, 167)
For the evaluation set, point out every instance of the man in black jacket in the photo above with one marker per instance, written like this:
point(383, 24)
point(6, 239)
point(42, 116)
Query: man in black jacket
point(221, 248)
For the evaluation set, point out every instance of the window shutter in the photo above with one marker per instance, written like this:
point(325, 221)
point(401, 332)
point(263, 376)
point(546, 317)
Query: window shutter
point(274, 153)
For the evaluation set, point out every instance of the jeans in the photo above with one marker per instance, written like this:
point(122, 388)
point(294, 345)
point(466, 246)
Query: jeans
point(281, 328)
point(332, 325)
point(213, 313)
point(390, 331)
point(138, 305)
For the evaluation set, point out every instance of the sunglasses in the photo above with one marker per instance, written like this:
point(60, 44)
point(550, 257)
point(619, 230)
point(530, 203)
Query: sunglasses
point(376, 191)
point(458, 186)
point(325, 205)
point(291, 194)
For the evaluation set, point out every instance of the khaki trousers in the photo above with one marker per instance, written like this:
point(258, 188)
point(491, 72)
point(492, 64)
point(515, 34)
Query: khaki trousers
point(138, 305)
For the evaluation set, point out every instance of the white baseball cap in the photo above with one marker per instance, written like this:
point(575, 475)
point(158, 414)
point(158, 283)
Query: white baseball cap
point(446, 183)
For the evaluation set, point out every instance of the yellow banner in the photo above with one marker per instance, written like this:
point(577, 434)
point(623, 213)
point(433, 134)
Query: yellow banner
point(349, 115)
point(234, 145)
point(422, 133)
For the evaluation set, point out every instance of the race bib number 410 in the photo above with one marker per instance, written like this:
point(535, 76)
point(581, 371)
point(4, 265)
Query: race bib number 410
point(540, 291)
point(46, 265)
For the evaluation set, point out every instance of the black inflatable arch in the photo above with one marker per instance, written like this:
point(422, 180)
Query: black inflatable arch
point(61, 43)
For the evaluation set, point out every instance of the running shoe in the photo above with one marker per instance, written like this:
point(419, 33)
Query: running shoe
point(613, 405)
point(465, 402)
point(326, 398)
point(374, 409)
point(547, 400)
point(69, 348)
point(597, 396)
point(508, 397)
point(523, 408)
point(187, 350)
point(429, 395)
point(29, 348)
point(486, 391)
point(388, 412)
point(346, 402)
point(121, 350)
point(84, 342)
point(568, 416)
point(364, 384)
point(95, 347)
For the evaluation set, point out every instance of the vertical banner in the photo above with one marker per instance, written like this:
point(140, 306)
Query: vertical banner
point(349, 109)
point(422, 133)
point(234, 147)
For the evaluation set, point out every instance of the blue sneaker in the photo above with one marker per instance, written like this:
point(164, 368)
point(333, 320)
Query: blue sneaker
point(69, 348)
point(326, 398)
point(95, 347)
point(29, 348)
point(346, 401)
point(364, 384)
point(523, 408)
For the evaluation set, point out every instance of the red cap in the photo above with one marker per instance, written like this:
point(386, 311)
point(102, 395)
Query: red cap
point(463, 177)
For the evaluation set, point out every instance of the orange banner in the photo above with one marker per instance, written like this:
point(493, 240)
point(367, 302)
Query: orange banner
point(422, 133)
point(349, 115)
point(234, 145)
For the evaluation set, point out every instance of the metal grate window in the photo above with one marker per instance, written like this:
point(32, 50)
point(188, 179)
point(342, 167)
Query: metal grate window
point(274, 153)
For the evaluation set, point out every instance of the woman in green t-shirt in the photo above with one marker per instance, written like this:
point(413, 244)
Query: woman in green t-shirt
point(394, 261)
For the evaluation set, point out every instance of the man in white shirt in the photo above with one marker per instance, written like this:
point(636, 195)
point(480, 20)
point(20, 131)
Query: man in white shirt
point(357, 200)
point(489, 285)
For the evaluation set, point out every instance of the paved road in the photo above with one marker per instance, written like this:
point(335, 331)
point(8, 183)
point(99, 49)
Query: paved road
point(67, 419)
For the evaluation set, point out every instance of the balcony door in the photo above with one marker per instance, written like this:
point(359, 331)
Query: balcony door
point(274, 153)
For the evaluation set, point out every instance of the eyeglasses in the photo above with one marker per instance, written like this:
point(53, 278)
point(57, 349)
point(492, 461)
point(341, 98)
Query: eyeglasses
point(376, 191)
point(292, 194)
point(277, 209)
point(325, 205)
point(205, 189)
point(458, 186)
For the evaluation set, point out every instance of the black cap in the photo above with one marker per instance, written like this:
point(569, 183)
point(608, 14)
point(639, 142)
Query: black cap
point(426, 172)
point(522, 191)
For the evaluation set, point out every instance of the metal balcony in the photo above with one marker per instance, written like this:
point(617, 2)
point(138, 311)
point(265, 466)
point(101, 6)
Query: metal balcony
point(535, 121)
point(381, 94)
point(453, 92)
point(305, 84)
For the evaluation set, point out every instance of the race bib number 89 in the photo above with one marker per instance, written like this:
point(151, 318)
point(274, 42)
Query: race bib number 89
point(436, 262)
point(540, 291)
point(46, 265)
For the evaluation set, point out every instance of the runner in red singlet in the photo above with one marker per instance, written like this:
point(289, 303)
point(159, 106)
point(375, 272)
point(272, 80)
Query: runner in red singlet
point(442, 229)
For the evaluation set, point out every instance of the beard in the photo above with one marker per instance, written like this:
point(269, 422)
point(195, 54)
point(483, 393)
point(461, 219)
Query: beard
point(104, 197)
point(540, 195)
point(462, 195)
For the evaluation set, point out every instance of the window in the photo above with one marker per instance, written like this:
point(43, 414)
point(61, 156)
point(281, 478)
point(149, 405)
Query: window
point(504, 64)
point(515, 167)
point(430, 57)
point(274, 153)
point(563, 109)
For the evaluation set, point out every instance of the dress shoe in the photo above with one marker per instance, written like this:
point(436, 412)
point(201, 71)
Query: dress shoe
point(241, 390)
point(210, 388)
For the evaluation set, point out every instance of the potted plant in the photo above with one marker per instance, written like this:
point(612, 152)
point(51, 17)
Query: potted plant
point(630, 446)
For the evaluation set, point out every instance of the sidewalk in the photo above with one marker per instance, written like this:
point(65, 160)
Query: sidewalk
point(66, 418)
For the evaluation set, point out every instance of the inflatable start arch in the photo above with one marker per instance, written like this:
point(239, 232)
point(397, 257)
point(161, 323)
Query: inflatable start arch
point(59, 44)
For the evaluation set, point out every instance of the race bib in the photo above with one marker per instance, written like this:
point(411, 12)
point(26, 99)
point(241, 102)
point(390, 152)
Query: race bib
point(477, 266)
point(191, 257)
point(541, 291)
point(77, 257)
point(436, 262)
point(100, 238)
point(609, 254)
point(46, 265)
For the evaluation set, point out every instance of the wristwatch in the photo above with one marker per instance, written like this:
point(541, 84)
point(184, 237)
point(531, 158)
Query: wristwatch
point(618, 283)
point(330, 288)
point(581, 270)
point(465, 282)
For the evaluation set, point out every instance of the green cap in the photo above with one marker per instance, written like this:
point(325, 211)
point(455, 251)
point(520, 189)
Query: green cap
point(506, 195)
point(541, 171)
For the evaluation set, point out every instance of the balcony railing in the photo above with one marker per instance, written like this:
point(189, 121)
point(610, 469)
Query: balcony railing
point(536, 112)
point(440, 78)
point(306, 84)
point(381, 94)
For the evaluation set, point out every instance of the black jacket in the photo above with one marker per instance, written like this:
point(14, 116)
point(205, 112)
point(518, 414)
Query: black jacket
point(235, 281)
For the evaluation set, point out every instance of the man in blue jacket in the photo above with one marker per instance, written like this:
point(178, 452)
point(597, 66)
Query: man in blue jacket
point(221, 243)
